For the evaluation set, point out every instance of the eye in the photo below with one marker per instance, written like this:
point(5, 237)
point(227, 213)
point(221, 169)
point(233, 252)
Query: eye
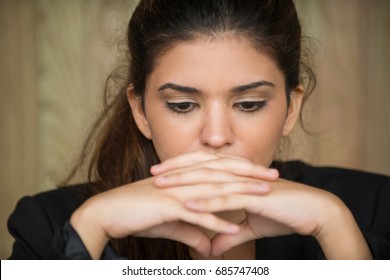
point(250, 106)
point(181, 107)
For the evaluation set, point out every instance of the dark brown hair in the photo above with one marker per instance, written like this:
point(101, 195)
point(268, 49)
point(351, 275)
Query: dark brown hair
point(119, 153)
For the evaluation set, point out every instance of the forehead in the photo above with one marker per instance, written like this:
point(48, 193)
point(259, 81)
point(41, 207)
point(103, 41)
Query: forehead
point(222, 61)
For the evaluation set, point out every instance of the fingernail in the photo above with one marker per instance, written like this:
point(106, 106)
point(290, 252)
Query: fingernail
point(263, 186)
point(157, 166)
point(273, 172)
point(192, 204)
point(160, 180)
point(232, 228)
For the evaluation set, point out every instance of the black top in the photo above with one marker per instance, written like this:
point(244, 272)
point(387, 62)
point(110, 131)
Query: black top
point(41, 230)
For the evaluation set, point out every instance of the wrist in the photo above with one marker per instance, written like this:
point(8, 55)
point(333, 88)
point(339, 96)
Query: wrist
point(339, 235)
point(85, 221)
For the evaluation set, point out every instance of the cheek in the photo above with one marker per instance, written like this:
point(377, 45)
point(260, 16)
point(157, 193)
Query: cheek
point(261, 138)
point(262, 146)
point(171, 139)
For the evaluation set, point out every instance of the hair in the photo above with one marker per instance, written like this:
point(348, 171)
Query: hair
point(116, 151)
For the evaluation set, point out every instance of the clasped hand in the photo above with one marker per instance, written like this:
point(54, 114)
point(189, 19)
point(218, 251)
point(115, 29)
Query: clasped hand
point(187, 196)
point(209, 183)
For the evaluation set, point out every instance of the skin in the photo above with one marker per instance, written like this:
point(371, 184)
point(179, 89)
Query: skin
point(216, 111)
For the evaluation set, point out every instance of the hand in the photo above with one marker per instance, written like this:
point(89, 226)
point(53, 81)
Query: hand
point(141, 209)
point(205, 160)
point(212, 171)
point(287, 207)
point(290, 208)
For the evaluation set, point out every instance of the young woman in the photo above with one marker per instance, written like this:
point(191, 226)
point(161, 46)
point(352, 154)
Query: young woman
point(182, 161)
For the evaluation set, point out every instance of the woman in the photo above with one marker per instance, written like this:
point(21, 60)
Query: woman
point(183, 165)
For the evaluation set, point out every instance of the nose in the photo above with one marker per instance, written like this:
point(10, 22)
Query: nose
point(217, 129)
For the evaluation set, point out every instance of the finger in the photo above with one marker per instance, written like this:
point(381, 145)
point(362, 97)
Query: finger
point(200, 176)
point(220, 170)
point(222, 243)
point(212, 190)
point(250, 203)
point(192, 237)
point(208, 221)
point(241, 167)
point(181, 232)
point(182, 161)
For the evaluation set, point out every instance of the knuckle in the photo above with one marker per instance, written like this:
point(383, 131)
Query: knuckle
point(223, 200)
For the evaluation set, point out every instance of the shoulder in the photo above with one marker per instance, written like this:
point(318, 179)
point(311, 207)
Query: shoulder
point(349, 184)
point(54, 206)
point(331, 177)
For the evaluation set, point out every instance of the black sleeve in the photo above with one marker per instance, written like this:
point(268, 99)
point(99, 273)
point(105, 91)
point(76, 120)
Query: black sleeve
point(378, 234)
point(36, 235)
point(74, 247)
point(43, 234)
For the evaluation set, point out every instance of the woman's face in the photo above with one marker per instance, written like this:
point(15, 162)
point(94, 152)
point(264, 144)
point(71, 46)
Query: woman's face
point(221, 96)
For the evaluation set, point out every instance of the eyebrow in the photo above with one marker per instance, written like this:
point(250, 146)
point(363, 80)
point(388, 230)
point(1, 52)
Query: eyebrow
point(179, 88)
point(253, 85)
point(236, 89)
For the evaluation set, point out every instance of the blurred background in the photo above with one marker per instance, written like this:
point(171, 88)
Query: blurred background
point(56, 54)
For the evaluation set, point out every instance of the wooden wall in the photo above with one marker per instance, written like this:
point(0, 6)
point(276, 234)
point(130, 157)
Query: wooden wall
point(55, 55)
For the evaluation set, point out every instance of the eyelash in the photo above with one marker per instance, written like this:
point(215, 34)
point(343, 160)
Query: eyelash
point(256, 106)
point(187, 107)
point(175, 107)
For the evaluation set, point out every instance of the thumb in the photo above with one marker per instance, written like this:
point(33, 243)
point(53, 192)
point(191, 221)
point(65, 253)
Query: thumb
point(186, 234)
point(222, 243)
